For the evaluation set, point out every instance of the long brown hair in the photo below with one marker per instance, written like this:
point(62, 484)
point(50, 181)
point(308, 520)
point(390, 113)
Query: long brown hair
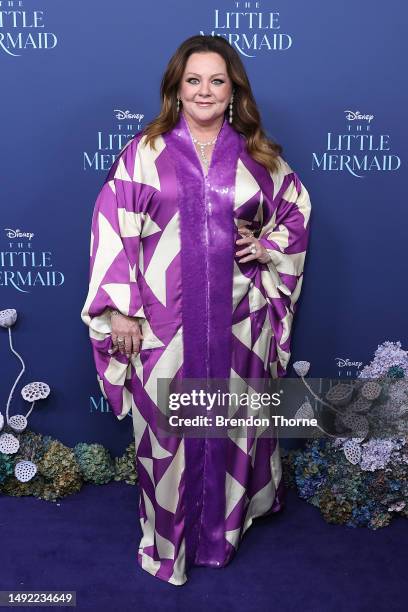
point(246, 116)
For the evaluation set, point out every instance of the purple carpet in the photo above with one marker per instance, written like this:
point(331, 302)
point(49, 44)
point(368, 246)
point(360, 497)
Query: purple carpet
point(289, 561)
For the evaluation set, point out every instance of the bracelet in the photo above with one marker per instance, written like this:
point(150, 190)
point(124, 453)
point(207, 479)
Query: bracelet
point(116, 312)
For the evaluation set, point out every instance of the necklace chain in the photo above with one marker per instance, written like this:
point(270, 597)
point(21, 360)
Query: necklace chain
point(202, 145)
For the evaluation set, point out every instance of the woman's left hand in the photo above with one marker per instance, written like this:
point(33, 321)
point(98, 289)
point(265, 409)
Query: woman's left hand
point(253, 248)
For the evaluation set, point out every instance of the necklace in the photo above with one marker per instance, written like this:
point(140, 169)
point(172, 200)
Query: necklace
point(202, 145)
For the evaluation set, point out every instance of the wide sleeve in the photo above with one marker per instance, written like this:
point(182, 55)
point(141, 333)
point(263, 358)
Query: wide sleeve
point(114, 254)
point(285, 235)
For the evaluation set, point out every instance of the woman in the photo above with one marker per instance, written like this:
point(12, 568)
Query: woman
point(181, 287)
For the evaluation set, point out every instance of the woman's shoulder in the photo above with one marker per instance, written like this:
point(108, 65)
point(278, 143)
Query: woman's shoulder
point(133, 142)
point(138, 143)
point(137, 158)
point(284, 171)
point(133, 148)
point(282, 166)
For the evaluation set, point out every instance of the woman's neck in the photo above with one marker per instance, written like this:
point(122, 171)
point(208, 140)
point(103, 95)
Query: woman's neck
point(204, 132)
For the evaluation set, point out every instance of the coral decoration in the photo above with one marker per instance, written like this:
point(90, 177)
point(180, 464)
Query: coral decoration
point(8, 317)
point(47, 469)
point(301, 367)
point(32, 464)
point(8, 444)
point(361, 478)
point(25, 470)
point(33, 392)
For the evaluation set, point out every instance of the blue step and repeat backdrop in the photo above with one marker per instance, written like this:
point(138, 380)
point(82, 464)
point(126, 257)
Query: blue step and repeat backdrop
point(80, 78)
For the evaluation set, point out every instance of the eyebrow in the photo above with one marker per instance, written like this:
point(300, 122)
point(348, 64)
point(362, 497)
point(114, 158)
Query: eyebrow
point(213, 75)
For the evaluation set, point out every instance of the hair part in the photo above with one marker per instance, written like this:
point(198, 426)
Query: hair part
point(246, 116)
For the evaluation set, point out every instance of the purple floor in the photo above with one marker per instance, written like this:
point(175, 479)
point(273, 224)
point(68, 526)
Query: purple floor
point(289, 561)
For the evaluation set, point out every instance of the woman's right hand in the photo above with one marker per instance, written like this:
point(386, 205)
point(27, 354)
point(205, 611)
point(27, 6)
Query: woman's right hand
point(128, 330)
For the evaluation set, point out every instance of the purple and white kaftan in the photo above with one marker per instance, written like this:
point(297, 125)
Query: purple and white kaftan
point(163, 249)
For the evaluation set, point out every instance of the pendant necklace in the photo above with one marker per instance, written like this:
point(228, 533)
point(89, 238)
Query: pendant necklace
point(202, 145)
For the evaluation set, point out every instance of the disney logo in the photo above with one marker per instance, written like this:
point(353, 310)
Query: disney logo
point(342, 363)
point(356, 115)
point(17, 233)
point(127, 115)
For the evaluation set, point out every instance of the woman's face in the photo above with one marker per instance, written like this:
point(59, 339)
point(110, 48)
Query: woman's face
point(205, 89)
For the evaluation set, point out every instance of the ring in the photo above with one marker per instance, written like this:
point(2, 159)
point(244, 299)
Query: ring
point(120, 339)
point(252, 248)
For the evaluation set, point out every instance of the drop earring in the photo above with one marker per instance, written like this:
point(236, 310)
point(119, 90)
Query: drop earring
point(178, 105)
point(230, 108)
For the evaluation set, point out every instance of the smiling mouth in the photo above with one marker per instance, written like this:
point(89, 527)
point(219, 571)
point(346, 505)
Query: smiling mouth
point(204, 103)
